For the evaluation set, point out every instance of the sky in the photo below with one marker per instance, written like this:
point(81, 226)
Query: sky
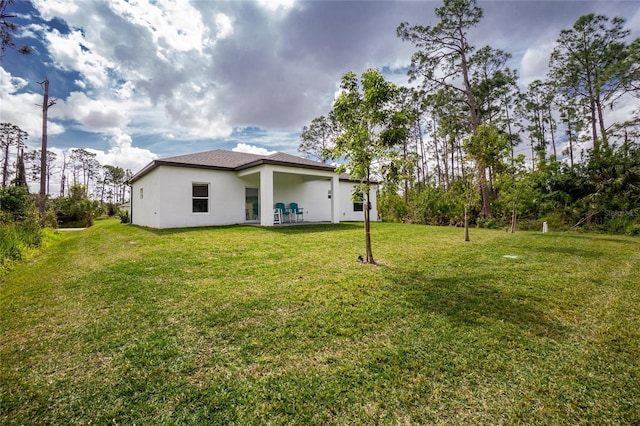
point(138, 80)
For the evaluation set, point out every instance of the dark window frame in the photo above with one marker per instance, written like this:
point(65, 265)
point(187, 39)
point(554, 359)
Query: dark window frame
point(358, 202)
point(200, 198)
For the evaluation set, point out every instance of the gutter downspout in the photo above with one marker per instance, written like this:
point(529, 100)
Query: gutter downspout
point(130, 202)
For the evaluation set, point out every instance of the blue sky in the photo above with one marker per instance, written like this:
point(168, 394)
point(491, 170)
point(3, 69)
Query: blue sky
point(137, 80)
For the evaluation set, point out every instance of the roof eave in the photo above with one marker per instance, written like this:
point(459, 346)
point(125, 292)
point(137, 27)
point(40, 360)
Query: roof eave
point(285, 164)
point(157, 163)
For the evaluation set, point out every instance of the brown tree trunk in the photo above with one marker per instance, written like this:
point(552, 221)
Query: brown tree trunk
point(466, 222)
point(367, 229)
point(603, 129)
point(484, 191)
point(43, 153)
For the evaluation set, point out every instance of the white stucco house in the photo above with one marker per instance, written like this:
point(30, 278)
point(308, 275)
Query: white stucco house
point(222, 187)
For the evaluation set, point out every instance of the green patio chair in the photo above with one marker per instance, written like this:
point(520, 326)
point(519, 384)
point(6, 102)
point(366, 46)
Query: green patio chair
point(296, 212)
point(285, 213)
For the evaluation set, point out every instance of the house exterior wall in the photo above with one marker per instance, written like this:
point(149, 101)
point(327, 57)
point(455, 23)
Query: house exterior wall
point(145, 200)
point(167, 196)
point(347, 213)
point(226, 197)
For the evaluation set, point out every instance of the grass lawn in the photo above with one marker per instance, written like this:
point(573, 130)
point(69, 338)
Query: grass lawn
point(243, 325)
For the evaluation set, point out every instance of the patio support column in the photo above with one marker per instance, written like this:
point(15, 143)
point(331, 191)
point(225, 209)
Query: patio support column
point(266, 196)
point(335, 199)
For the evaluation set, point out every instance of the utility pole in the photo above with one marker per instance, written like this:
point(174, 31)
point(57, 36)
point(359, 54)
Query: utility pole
point(43, 155)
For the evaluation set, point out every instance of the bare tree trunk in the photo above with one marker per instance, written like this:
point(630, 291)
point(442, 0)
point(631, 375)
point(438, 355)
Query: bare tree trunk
point(453, 152)
point(5, 165)
point(438, 168)
point(603, 129)
point(466, 222)
point(46, 103)
point(594, 132)
point(506, 108)
point(484, 191)
point(367, 228)
point(553, 138)
point(445, 162)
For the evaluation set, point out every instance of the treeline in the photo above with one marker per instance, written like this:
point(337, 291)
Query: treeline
point(78, 166)
point(469, 139)
point(87, 190)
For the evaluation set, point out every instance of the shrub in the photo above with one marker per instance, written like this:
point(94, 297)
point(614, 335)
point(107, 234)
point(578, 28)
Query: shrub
point(76, 210)
point(10, 244)
point(14, 200)
point(124, 216)
point(490, 223)
point(19, 224)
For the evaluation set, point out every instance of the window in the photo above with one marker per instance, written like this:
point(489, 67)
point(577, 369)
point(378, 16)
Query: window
point(358, 202)
point(200, 196)
point(141, 194)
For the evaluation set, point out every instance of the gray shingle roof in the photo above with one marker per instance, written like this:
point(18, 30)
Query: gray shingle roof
point(218, 158)
point(221, 159)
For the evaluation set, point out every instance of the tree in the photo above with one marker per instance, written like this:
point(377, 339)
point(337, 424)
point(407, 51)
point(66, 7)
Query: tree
point(7, 30)
point(488, 147)
point(370, 127)
point(444, 60)
point(319, 138)
point(450, 126)
point(33, 158)
point(572, 120)
point(590, 63)
point(10, 135)
point(46, 104)
point(491, 81)
point(21, 172)
point(85, 164)
point(632, 78)
point(532, 109)
point(116, 177)
point(444, 52)
point(7, 131)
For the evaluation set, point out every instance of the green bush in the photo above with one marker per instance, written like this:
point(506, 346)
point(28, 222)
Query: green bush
point(124, 216)
point(490, 223)
point(15, 201)
point(10, 245)
point(19, 224)
point(76, 210)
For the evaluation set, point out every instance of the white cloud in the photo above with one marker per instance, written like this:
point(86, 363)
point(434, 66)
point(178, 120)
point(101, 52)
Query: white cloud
point(277, 5)
point(252, 149)
point(224, 26)
point(10, 84)
point(50, 9)
point(535, 63)
point(72, 52)
point(93, 115)
point(123, 154)
point(174, 25)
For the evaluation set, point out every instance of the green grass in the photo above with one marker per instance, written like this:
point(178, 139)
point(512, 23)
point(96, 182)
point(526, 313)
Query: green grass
point(243, 325)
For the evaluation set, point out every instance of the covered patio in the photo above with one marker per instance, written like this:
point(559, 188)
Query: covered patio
point(314, 192)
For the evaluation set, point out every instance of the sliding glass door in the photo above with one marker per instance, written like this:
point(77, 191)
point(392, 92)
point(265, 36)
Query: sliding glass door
point(251, 197)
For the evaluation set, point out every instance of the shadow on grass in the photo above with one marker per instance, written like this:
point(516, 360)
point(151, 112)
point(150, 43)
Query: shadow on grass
point(286, 229)
point(475, 301)
point(618, 239)
point(312, 227)
point(559, 250)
